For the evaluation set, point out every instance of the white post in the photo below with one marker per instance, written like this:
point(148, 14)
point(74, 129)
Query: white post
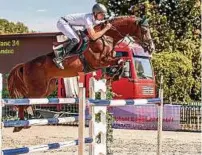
point(91, 88)
point(198, 121)
point(91, 129)
point(98, 129)
point(1, 91)
point(82, 105)
point(160, 120)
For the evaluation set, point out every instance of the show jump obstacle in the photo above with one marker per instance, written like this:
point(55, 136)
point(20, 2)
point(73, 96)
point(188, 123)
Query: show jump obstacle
point(97, 127)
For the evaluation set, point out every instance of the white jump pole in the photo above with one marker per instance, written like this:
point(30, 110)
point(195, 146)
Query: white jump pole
point(82, 105)
point(160, 119)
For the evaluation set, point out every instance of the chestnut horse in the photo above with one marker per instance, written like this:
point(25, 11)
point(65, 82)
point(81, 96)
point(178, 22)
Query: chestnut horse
point(37, 78)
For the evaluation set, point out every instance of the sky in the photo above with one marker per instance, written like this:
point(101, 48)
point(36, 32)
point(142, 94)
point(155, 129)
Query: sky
point(42, 15)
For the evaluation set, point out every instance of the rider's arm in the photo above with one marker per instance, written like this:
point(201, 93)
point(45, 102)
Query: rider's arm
point(92, 34)
point(95, 35)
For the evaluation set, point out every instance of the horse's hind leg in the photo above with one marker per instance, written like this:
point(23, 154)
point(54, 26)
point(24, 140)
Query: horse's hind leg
point(32, 93)
point(48, 88)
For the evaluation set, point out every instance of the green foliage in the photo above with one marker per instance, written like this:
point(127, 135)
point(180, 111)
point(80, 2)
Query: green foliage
point(54, 94)
point(110, 138)
point(108, 96)
point(176, 70)
point(175, 28)
point(5, 93)
point(7, 27)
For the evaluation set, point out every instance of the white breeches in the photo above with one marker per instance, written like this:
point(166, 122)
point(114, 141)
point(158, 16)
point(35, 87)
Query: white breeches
point(66, 29)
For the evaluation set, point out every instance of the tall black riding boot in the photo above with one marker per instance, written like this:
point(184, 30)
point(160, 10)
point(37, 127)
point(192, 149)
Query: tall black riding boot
point(68, 48)
point(62, 52)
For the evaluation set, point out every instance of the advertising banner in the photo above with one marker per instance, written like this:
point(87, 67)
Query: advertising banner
point(145, 117)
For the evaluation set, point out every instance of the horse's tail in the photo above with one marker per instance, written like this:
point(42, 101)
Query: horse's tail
point(16, 85)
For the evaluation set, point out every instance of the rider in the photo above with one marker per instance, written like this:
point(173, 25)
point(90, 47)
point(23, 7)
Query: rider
point(88, 21)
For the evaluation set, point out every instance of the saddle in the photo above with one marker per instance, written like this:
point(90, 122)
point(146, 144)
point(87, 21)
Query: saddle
point(63, 41)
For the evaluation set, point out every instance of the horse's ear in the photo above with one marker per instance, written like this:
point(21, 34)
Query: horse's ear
point(144, 21)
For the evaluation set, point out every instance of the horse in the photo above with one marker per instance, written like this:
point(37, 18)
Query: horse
point(37, 78)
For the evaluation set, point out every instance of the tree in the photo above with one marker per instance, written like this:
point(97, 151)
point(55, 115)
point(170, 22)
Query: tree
point(7, 27)
point(176, 70)
point(175, 27)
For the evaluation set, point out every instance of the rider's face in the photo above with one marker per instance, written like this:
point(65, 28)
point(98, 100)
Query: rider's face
point(100, 16)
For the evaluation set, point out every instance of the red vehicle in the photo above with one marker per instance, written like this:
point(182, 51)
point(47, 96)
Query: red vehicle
point(138, 80)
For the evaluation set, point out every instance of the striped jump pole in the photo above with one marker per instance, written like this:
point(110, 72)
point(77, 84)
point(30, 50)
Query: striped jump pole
point(37, 148)
point(117, 103)
point(39, 101)
point(39, 122)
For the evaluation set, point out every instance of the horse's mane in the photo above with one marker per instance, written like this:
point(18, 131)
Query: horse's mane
point(117, 20)
point(122, 18)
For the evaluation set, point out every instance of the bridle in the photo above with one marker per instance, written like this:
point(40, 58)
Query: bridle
point(144, 44)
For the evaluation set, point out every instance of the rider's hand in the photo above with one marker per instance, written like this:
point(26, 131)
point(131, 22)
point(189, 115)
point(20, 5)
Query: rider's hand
point(108, 26)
